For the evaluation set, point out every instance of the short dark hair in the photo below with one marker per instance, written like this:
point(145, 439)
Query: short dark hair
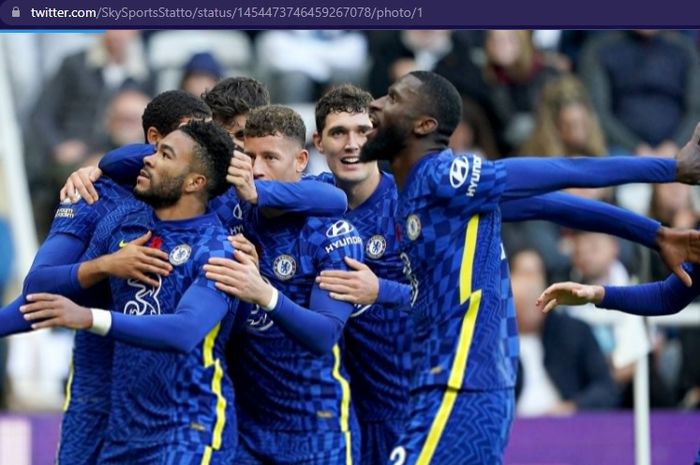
point(345, 98)
point(213, 150)
point(440, 99)
point(167, 109)
point(276, 119)
point(235, 96)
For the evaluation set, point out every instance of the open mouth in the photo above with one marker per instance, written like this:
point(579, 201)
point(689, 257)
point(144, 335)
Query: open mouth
point(353, 160)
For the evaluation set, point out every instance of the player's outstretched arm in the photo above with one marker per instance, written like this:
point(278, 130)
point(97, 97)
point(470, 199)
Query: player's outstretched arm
point(652, 299)
point(674, 246)
point(360, 286)
point(317, 328)
point(180, 331)
point(527, 176)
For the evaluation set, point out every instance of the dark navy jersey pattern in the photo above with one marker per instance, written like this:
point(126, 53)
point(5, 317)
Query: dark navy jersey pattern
point(280, 384)
point(377, 339)
point(168, 397)
point(464, 328)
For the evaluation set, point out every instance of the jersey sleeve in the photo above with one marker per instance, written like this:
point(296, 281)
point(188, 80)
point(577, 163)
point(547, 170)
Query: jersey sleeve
point(311, 197)
point(181, 330)
point(653, 299)
point(80, 219)
point(528, 176)
point(123, 164)
point(584, 214)
point(228, 208)
point(467, 182)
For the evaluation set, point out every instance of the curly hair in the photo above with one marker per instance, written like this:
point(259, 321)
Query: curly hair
point(345, 98)
point(235, 96)
point(545, 138)
point(440, 99)
point(274, 120)
point(212, 153)
point(167, 109)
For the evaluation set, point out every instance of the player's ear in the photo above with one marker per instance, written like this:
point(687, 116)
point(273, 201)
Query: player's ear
point(195, 182)
point(425, 125)
point(317, 141)
point(301, 160)
point(153, 136)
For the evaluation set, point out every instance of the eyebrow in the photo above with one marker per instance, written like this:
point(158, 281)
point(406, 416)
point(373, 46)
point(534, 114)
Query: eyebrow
point(166, 148)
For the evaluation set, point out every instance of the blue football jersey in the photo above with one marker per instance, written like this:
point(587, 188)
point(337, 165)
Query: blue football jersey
point(377, 339)
point(166, 397)
point(91, 367)
point(450, 225)
point(229, 209)
point(279, 383)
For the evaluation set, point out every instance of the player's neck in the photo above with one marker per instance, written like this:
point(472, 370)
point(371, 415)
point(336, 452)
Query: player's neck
point(185, 208)
point(359, 192)
point(405, 160)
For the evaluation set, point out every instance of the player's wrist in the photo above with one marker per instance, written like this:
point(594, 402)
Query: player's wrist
point(598, 294)
point(101, 321)
point(270, 301)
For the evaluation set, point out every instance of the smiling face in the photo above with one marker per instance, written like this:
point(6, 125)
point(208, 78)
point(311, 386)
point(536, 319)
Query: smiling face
point(393, 117)
point(161, 180)
point(344, 134)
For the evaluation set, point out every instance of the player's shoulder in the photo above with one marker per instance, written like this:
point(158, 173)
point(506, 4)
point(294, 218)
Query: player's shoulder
point(211, 238)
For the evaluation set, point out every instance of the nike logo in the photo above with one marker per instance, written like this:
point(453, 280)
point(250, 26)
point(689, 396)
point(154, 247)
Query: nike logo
point(123, 244)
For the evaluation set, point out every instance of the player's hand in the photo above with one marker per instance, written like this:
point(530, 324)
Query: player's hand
point(51, 310)
point(240, 174)
point(241, 243)
point(569, 294)
point(81, 184)
point(676, 247)
point(360, 286)
point(136, 261)
point(239, 277)
point(688, 160)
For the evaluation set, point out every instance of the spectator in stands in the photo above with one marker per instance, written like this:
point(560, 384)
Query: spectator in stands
point(646, 89)
point(70, 111)
point(474, 133)
point(672, 205)
point(565, 122)
point(200, 74)
point(123, 123)
point(298, 65)
point(623, 338)
point(562, 367)
point(396, 53)
point(515, 73)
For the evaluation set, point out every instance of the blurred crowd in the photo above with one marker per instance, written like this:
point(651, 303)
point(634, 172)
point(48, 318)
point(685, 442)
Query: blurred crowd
point(539, 93)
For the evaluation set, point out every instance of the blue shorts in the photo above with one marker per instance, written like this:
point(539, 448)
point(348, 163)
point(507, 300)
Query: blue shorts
point(697, 458)
point(379, 439)
point(117, 453)
point(82, 437)
point(451, 427)
point(258, 446)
